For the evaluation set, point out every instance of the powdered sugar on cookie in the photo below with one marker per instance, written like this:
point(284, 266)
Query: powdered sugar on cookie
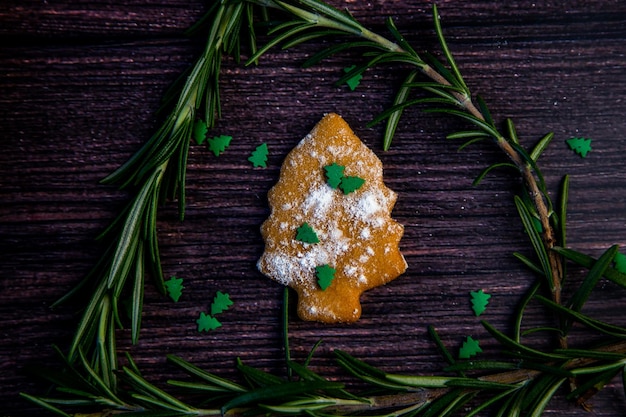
point(357, 237)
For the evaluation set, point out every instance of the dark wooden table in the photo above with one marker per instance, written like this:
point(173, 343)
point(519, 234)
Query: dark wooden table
point(80, 82)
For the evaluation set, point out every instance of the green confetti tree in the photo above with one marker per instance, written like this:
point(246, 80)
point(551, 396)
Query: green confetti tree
point(221, 303)
point(325, 275)
point(219, 144)
point(353, 82)
point(334, 174)
point(174, 287)
point(351, 184)
point(581, 146)
point(199, 131)
point(207, 322)
point(336, 179)
point(259, 156)
point(470, 348)
point(480, 299)
point(306, 234)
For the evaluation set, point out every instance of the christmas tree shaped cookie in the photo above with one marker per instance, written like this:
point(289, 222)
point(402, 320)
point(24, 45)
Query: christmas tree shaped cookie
point(332, 183)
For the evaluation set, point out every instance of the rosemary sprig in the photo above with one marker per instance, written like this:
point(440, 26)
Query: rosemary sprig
point(521, 385)
point(154, 174)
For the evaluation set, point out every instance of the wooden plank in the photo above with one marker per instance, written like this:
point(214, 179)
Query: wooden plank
point(81, 83)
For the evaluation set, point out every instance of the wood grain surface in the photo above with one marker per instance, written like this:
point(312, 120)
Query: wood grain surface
point(80, 83)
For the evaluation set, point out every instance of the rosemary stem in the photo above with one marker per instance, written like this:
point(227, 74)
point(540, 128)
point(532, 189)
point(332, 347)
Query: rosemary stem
point(106, 366)
point(526, 171)
point(419, 398)
point(381, 40)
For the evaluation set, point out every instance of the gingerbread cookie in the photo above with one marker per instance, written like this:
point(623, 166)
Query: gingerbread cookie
point(329, 235)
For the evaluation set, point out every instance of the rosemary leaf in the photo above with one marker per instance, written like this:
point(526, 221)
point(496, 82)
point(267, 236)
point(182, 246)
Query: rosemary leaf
point(510, 127)
point(380, 58)
point(366, 372)
point(481, 365)
point(484, 110)
point(543, 329)
point(518, 348)
point(512, 406)
point(536, 241)
point(124, 254)
point(458, 78)
point(490, 401)
point(568, 313)
point(106, 359)
point(477, 384)
point(309, 356)
point(196, 386)
point(467, 134)
point(447, 94)
point(391, 26)
point(86, 324)
point(203, 21)
point(156, 394)
point(70, 402)
point(591, 354)
point(490, 168)
point(471, 142)
point(556, 369)
point(541, 146)
point(151, 401)
point(307, 375)
point(562, 226)
point(521, 308)
point(447, 356)
point(419, 381)
point(530, 264)
point(394, 118)
point(297, 408)
point(132, 365)
point(448, 403)
point(98, 382)
point(257, 377)
point(403, 105)
point(252, 38)
point(205, 376)
point(597, 382)
point(587, 261)
point(282, 391)
point(285, 318)
point(469, 117)
point(332, 13)
point(335, 49)
point(595, 273)
point(547, 392)
point(45, 405)
point(285, 35)
point(359, 365)
point(308, 37)
point(159, 413)
point(137, 299)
